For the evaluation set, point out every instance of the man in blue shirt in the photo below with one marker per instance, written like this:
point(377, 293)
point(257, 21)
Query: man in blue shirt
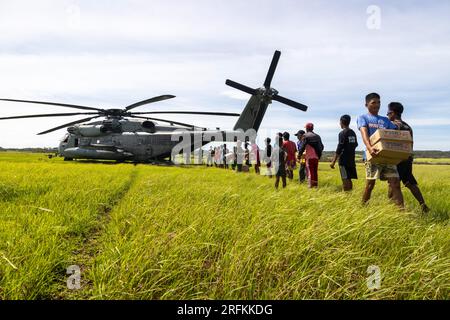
point(368, 124)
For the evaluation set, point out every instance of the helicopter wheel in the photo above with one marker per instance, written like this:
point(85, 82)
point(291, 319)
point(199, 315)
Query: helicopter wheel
point(68, 159)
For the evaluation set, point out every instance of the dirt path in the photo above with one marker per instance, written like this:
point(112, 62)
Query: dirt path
point(88, 249)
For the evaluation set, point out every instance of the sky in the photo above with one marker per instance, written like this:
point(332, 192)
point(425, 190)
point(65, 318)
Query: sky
point(110, 54)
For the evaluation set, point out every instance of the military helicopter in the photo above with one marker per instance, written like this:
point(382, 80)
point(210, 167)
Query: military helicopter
point(134, 136)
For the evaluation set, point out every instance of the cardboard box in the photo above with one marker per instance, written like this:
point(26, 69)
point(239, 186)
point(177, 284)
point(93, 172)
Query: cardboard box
point(394, 149)
point(394, 146)
point(391, 152)
point(382, 160)
point(391, 135)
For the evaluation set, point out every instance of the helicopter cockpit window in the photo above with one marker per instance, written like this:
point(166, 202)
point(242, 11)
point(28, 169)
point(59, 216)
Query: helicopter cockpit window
point(65, 139)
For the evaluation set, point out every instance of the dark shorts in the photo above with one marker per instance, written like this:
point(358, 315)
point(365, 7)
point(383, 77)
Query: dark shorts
point(348, 172)
point(404, 169)
point(281, 172)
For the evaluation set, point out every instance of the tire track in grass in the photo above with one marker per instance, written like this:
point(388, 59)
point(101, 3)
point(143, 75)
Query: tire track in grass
point(84, 257)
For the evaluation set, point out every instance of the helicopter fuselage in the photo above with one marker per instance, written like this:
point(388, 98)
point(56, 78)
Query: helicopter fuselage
point(134, 140)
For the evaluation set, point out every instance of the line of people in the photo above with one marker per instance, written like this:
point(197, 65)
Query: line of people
point(217, 157)
point(306, 152)
point(240, 159)
point(282, 159)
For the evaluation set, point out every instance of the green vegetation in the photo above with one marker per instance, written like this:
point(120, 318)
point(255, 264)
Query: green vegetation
point(154, 232)
point(432, 160)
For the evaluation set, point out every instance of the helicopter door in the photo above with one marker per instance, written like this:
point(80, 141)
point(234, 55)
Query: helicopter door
point(76, 142)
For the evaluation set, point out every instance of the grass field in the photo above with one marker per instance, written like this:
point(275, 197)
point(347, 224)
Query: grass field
point(154, 232)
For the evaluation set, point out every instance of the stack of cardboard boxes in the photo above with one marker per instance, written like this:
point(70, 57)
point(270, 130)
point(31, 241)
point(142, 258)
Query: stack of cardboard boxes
point(393, 146)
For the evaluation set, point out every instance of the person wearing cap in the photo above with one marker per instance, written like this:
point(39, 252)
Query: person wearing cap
point(290, 148)
point(313, 146)
point(301, 160)
point(345, 152)
point(404, 168)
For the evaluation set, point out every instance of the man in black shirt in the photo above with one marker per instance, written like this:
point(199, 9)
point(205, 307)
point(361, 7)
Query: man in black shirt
point(345, 152)
point(404, 168)
point(268, 157)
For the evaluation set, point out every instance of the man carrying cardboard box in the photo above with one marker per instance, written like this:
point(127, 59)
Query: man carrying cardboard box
point(404, 168)
point(368, 124)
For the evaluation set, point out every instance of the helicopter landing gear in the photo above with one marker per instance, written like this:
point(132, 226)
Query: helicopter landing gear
point(68, 159)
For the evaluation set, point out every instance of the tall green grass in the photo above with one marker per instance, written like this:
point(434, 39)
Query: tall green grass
point(213, 234)
point(47, 211)
point(150, 232)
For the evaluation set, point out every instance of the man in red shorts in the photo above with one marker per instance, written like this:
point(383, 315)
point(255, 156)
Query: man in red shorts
point(314, 147)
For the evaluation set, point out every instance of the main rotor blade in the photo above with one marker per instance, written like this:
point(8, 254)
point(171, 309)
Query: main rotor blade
point(290, 103)
point(168, 121)
point(68, 125)
point(55, 104)
point(273, 66)
point(47, 115)
point(151, 100)
point(241, 87)
point(191, 112)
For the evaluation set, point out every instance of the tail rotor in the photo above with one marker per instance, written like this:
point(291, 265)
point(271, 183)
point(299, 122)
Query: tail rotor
point(267, 92)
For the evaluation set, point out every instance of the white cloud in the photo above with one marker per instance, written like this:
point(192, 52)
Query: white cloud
point(113, 53)
point(432, 122)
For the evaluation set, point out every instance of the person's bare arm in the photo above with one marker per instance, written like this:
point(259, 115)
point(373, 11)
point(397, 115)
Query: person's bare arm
point(333, 162)
point(339, 149)
point(365, 136)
